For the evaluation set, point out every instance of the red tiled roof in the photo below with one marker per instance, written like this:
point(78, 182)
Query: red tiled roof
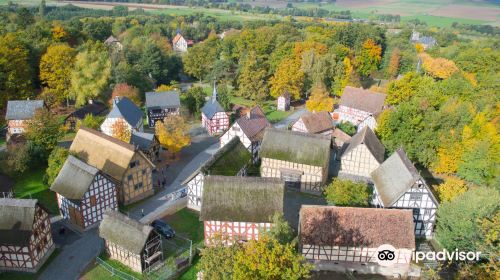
point(362, 99)
point(254, 123)
point(177, 38)
point(317, 122)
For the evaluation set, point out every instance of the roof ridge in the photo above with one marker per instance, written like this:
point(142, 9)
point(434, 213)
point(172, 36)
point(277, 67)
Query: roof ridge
point(109, 138)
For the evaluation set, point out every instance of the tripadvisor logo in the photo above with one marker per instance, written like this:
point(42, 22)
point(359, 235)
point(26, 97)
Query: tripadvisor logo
point(387, 255)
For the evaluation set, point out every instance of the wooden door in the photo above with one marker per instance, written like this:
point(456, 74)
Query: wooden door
point(75, 216)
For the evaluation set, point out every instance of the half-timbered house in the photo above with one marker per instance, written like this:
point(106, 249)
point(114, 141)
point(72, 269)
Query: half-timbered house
point(239, 208)
point(18, 112)
point(213, 117)
point(315, 123)
point(249, 129)
point(122, 162)
point(161, 104)
point(25, 235)
point(361, 155)
point(180, 44)
point(83, 193)
point(230, 160)
point(126, 111)
point(300, 159)
point(357, 105)
point(148, 143)
point(284, 102)
point(136, 245)
point(331, 237)
point(94, 108)
point(398, 184)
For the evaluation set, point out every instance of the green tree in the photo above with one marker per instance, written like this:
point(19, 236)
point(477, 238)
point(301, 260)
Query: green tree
point(15, 74)
point(41, 8)
point(459, 220)
point(17, 160)
point(252, 79)
point(288, 77)
point(195, 99)
point(200, 59)
point(347, 193)
point(90, 121)
point(217, 261)
point(55, 162)
point(410, 85)
point(268, 259)
point(91, 73)
point(281, 230)
point(44, 131)
point(368, 58)
point(55, 65)
point(348, 128)
point(223, 97)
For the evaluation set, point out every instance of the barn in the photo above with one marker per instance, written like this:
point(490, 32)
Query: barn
point(398, 184)
point(159, 105)
point(239, 208)
point(83, 193)
point(25, 235)
point(347, 237)
point(230, 160)
point(213, 117)
point(300, 159)
point(249, 129)
point(121, 162)
point(123, 110)
point(136, 245)
point(361, 155)
point(315, 123)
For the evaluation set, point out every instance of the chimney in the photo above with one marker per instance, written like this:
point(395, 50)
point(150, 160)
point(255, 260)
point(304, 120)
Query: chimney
point(116, 100)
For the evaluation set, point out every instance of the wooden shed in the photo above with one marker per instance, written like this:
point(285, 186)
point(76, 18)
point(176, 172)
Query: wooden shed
point(240, 208)
point(300, 159)
point(25, 235)
point(136, 245)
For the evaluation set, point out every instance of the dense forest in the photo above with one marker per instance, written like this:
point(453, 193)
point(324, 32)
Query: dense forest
point(443, 103)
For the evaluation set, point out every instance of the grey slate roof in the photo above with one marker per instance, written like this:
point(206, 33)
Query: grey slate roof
point(16, 220)
point(22, 109)
point(370, 140)
point(212, 106)
point(126, 109)
point(124, 232)
point(74, 179)
point(394, 177)
point(362, 99)
point(141, 139)
point(241, 199)
point(427, 40)
point(298, 147)
point(163, 100)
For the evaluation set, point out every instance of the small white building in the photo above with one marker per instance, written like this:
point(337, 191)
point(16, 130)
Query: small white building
point(357, 105)
point(340, 238)
point(249, 129)
point(83, 193)
point(126, 111)
point(284, 102)
point(180, 44)
point(362, 154)
point(398, 184)
point(240, 208)
point(315, 123)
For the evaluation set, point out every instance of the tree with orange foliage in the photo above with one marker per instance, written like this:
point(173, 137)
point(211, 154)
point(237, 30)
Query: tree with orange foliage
point(439, 68)
point(173, 133)
point(121, 130)
point(394, 63)
point(368, 58)
point(302, 47)
point(320, 100)
point(288, 77)
point(125, 90)
point(419, 48)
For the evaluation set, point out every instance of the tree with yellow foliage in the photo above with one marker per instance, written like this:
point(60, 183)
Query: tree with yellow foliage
point(368, 58)
point(451, 188)
point(58, 33)
point(288, 77)
point(173, 133)
point(320, 100)
point(419, 48)
point(449, 157)
point(55, 68)
point(162, 88)
point(120, 130)
point(439, 68)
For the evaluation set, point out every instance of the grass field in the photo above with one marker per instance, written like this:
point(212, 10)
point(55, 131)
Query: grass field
point(30, 185)
point(186, 223)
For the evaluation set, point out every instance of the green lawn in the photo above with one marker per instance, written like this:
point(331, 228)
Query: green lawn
point(30, 185)
point(217, 13)
point(98, 272)
point(190, 274)
point(29, 276)
point(186, 223)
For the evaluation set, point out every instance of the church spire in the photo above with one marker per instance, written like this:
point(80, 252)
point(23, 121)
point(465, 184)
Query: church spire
point(214, 94)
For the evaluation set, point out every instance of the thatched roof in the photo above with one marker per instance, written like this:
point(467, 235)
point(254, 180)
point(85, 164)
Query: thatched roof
point(317, 122)
point(241, 199)
point(74, 179)
point(394, 177)
point(362, 99)
point(296, 147)
point(348, 226)
point(104, 152)
point(370, 140)
point(124, 232)
point(16, 220)
point(227, 161)
point(22, 109)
